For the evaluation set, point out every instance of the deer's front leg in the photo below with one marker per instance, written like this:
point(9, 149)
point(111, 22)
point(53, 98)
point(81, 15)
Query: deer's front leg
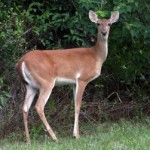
point(78, 93)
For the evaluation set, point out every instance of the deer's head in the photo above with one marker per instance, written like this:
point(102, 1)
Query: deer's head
point(103, 24)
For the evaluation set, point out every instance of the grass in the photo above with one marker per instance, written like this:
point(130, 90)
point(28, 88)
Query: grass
point(123, 135)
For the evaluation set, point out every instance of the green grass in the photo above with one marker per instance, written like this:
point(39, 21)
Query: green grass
point(123, 135)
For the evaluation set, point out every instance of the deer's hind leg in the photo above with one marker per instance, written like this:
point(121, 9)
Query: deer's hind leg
point(45, 91)
point(29, 96)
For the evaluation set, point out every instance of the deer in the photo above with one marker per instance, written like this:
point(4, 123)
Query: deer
point(41, 70)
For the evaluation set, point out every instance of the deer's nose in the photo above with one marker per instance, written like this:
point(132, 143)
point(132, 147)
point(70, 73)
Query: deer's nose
point(104, 33)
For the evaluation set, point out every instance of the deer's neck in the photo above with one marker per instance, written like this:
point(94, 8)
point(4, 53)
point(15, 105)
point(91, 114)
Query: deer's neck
point(101, 49)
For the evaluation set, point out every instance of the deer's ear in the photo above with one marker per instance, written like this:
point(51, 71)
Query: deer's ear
point(114, 16)
point(93, 16)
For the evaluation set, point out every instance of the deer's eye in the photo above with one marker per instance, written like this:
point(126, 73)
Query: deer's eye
point(98, 24)
point(109, 24)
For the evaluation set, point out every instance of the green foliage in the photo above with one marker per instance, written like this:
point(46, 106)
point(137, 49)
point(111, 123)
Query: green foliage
point(3, 94)
point(55, 27)
point(129, 44)
point(11, 41)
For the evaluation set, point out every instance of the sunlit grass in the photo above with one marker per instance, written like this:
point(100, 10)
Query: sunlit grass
point(123, 135)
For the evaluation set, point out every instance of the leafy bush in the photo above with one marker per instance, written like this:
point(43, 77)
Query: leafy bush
point(3, 95)
point(130, 40)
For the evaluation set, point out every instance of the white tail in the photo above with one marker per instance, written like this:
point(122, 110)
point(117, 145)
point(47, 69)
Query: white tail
point(42, 70)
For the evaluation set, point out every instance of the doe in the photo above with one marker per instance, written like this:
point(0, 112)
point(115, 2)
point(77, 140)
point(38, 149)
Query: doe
point(42, 70)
